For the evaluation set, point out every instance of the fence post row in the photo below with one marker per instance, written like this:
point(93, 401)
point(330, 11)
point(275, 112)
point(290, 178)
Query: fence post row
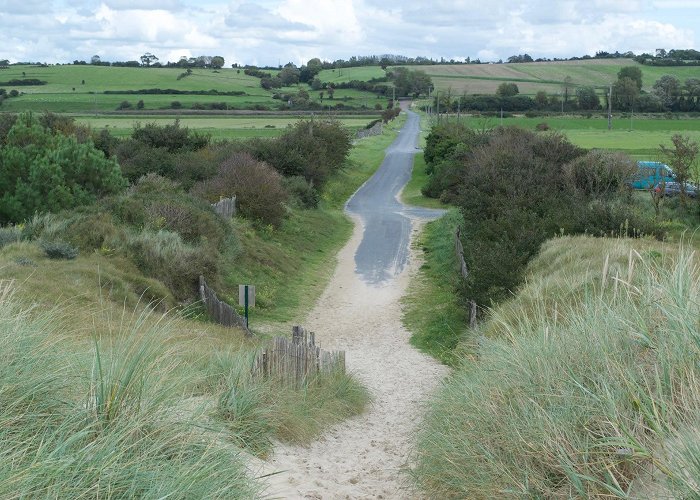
point(219, 310)
point(464, 271)
point(294, 361)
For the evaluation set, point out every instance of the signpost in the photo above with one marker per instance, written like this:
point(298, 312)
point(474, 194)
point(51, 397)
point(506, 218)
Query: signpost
point(246, 298)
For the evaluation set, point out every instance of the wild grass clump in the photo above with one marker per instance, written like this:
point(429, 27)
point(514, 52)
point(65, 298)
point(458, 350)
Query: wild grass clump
point(110, 424)
point(600, 399)
point(59, 250)
point(257, 409)
point(9, 235)
point(177, 264)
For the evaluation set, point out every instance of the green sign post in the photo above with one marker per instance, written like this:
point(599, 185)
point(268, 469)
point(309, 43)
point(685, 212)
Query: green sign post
point(246, 298)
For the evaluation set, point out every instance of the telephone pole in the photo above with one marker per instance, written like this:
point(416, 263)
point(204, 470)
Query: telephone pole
point(610, 107)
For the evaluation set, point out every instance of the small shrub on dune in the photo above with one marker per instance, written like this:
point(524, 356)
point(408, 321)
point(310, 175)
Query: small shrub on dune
point(260, 195)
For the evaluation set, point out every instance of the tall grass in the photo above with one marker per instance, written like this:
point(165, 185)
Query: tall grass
point(601, 398)
point(256, 409)
point(68, 431)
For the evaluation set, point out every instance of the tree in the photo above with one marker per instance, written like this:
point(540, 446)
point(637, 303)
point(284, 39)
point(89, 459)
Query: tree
point(682, 159)
point(289, 75)
point(147, 59)
point(692, 90)
point(541, 99)
point(45, 172)
point(624, 94)
point(95, 59)
point(587, 98)
point(217, 62)
point(668, 90)
point(633, 73)
point(507, 89)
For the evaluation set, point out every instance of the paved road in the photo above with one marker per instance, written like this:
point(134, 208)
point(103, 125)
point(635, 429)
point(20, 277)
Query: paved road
point(383, 251)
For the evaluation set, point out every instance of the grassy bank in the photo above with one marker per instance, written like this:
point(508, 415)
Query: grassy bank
point(584, 385)
point(291, 266)
point(152, 406)
point(433, 311)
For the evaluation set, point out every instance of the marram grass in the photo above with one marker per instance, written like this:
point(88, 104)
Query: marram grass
point(600, 398)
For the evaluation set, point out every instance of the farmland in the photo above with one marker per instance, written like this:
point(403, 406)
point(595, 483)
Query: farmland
point(547, 76)
point(637, 136)
point(96, 89)
point(218, 127)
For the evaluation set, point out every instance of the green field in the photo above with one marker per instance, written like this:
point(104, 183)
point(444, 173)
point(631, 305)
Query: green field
point(362, 73)
point(641, 141)
point(81, 89)
point(547, 76)
point(219, 127)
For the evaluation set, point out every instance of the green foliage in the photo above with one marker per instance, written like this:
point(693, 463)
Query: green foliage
point(314, 149)
point(516, 189)
point(595, 386)
point(409, 82)
point(301, 192)
point(9, 235)
point(260, 195)
point(507, 89)
point(59, 250)
point(43, 172)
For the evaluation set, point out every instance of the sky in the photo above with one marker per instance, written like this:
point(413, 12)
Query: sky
point(272, 32)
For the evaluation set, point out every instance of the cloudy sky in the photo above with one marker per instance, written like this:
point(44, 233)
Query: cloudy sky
point(268, 32)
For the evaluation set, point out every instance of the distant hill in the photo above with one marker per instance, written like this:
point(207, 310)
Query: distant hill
point(547, 76)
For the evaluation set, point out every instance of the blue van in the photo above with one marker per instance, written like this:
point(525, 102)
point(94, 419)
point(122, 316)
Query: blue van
point(651, 173)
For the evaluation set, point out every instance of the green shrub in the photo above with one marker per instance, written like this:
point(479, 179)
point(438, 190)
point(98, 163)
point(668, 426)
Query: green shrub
point(42, 172)
point(59, 250)
point(9, 235)
point(301, 192)
point(260, 195)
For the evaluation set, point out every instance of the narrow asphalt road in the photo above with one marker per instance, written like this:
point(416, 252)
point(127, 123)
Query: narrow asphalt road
point(383, 252)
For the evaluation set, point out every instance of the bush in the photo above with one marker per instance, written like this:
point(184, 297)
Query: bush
point(9, 235)
point(44, 172)
point(59, 250)
point(258, 188)
point(601, 173)
point(302, 192)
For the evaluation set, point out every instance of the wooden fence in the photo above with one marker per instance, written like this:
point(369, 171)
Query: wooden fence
point(294, 361)
point(220, 311)
point(464, 271)
point(376, 129)
point(225, 207)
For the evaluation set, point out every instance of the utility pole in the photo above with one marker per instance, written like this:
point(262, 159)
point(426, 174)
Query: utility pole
point(610, 107)
point(437, 99)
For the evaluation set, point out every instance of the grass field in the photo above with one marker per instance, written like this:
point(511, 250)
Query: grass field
point(362, 73)
point(547, 76)
point(219, 127)
point(638, 137)
point(81, 88)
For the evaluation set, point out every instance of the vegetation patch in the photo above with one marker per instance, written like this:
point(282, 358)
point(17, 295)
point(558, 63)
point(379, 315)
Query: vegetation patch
point(596, 389)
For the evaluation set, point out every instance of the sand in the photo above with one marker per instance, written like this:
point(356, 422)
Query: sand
point(365, 456)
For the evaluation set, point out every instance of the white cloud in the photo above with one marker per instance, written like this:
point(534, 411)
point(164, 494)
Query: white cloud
point(268, 31)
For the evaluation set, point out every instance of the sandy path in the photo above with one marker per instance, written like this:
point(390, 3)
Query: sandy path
point(363, 457)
